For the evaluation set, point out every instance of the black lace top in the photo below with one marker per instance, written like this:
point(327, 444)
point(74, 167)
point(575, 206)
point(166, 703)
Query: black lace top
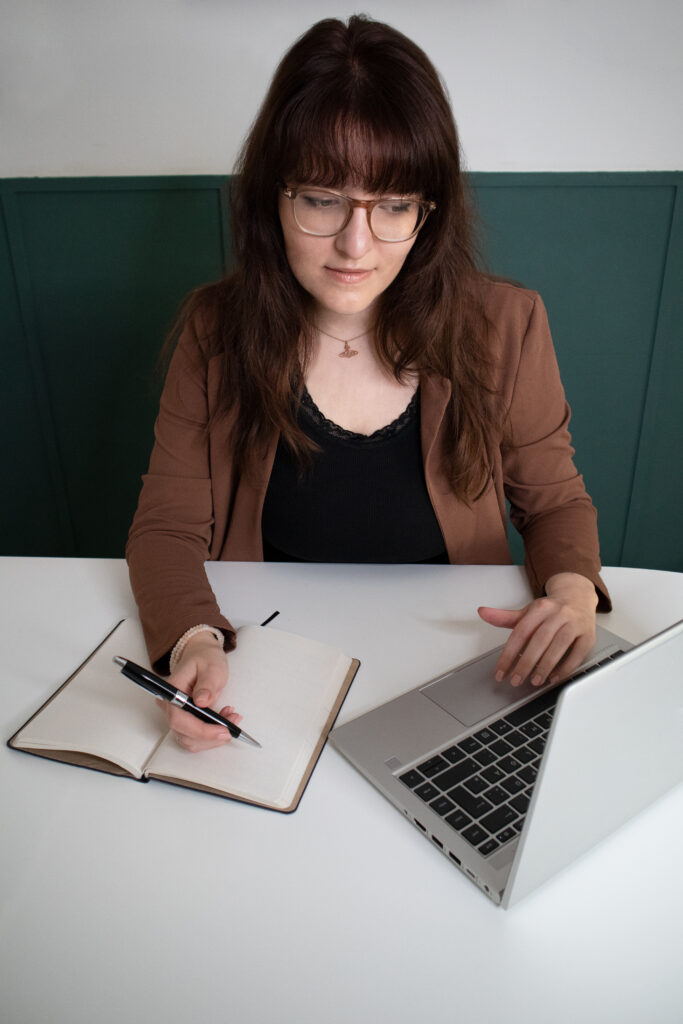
point(364, 499)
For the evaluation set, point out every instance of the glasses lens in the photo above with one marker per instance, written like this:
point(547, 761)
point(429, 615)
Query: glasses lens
point(320, 213)
point(325, 213)
point(394, 220)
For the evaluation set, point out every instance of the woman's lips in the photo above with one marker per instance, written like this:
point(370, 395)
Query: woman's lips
point(346, 276)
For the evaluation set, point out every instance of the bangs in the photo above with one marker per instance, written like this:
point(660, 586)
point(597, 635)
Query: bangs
point(373, 150)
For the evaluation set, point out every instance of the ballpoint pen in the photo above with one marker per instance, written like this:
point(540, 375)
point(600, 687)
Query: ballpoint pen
point(163, 689)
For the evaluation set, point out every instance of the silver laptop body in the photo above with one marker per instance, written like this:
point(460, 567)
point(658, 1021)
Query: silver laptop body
point(611, 743)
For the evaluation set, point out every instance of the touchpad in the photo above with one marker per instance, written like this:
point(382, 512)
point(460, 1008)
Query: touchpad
point(471, 692)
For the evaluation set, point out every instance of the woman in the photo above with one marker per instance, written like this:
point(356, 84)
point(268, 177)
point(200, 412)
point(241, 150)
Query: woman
point(356, 390)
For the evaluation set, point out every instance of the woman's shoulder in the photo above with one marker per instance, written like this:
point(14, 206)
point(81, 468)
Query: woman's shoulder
point(516, 322)
point(504, 300)
point(200, 322)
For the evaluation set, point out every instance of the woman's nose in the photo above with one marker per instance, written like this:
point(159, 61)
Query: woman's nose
point(356, 238)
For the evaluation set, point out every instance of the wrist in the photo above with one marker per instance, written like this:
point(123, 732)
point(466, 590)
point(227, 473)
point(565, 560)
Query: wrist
point(564, 584)
point(195, 637)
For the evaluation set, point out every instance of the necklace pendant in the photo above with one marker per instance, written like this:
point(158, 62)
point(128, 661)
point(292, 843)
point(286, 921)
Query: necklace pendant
point(348, 351)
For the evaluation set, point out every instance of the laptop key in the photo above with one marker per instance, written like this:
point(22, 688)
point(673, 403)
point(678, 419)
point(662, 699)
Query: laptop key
point(453, 754)
point(509, 764)
point(485, 757)
point(525, 755)
point(433, 766)
point(488, 847)
point(442, 805)
point(411, 778)
point(513, 784)
point(426, 791)
point(538, 745)
point(493, 773)
point(476, 784)
point(531, 729)
point(458, 819)
point(457, 773)
point(496, 795)
point(501, 727)
point(474, 835)
point(469, 745)
point(475, 806)
point(506, 835)
point(521, 802)
point(501, 747)
point(528, 774)
point(499, 818)
point(485, 736)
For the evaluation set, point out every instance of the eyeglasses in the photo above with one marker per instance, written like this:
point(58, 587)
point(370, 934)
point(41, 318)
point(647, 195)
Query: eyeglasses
point(323, 213)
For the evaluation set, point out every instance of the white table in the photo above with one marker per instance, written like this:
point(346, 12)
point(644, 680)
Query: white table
point(129, 902)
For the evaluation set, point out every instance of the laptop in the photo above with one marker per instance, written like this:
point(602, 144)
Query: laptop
point(511, 785)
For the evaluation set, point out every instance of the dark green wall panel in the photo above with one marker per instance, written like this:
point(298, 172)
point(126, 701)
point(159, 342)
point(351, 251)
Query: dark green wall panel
point(92, 271)
point(108, 269)
point(597, 255)
point(33, 517)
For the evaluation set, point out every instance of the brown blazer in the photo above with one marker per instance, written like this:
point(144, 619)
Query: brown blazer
point(192, 510)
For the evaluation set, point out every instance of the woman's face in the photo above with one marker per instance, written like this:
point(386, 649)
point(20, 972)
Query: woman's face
point(343, 273)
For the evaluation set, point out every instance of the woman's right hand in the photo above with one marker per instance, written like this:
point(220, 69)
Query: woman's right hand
point(202, 671)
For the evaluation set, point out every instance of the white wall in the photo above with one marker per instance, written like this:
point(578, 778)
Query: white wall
point(171, 86)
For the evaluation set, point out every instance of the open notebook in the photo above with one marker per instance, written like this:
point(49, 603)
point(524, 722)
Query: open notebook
point(288, 688)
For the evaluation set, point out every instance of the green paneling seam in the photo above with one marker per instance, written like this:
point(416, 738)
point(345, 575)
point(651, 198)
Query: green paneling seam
point(657, 343)
point(658, 480)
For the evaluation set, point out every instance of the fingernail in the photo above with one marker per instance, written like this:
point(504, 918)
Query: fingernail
point(500, 676)
point(516, 680)
point(536, 680)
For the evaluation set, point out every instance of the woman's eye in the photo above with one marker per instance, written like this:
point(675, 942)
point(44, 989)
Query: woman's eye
point(320, 202)
point(398, 207)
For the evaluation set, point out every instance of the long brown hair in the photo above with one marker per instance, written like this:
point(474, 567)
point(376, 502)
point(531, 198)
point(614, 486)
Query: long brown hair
point(353, 102)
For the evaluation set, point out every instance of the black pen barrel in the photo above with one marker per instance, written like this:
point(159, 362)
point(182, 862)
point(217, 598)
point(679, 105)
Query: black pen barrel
point(149, 681)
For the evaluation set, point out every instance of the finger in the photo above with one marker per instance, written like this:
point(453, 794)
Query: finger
point(578, 652)
point(230, 713)
point(558, 648)
point(518, 641)
point(194, 746)
point(192, 728)
point(196, 742)
point(547, 645)
point(204, 680)
point(506, 618)
point(209, 685)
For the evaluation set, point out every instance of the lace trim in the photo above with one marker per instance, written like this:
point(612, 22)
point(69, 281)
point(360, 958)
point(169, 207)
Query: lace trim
point(312, 411)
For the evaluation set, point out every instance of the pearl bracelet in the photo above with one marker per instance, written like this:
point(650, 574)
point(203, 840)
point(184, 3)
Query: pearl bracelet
point(177, 652)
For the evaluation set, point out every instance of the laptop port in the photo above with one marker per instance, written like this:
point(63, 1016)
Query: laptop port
point(419, 824)
point(456, 859)
point(437, 841)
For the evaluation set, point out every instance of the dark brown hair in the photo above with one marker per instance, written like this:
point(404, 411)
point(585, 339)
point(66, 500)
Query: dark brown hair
point(353, 102)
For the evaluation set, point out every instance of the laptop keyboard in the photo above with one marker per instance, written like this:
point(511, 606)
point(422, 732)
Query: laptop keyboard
point(482, 785)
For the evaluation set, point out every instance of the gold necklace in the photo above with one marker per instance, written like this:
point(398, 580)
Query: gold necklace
point(347, 351)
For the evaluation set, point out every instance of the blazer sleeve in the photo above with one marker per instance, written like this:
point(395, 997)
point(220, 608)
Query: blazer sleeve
point(548, 500)
point(169, 539)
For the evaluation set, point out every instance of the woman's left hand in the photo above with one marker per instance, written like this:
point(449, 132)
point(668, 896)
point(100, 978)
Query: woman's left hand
point(551, 636)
